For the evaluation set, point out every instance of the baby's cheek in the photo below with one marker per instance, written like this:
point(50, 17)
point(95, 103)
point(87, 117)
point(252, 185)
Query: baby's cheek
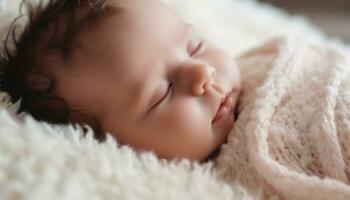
point(181, 119)
point(188, 117)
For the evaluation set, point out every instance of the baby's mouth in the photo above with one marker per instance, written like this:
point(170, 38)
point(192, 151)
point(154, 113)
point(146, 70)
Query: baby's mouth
point(225, 107)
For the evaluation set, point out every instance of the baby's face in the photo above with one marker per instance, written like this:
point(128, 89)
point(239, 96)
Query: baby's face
point(153, 83)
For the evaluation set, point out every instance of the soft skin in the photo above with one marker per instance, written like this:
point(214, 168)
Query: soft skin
point(152, 82)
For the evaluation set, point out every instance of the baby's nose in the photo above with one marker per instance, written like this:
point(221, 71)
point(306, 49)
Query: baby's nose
point(196, 77)
point(206, 76)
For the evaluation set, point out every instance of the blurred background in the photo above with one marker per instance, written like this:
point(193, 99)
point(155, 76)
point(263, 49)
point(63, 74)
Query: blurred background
point(331, 16)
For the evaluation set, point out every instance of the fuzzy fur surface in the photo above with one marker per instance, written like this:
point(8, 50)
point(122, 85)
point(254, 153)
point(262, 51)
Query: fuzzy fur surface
point(43, 161)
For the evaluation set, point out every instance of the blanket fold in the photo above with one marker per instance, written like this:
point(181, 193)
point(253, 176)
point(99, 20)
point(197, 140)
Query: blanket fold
point(292, 138)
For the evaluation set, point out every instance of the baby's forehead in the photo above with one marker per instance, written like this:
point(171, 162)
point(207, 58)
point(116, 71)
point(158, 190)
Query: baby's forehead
point(126, 39)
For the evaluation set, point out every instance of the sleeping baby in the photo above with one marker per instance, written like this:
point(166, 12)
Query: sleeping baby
point(133, 69)
point(130, 68)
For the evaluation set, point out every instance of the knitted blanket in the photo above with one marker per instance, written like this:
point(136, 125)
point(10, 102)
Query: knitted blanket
point(292, 137)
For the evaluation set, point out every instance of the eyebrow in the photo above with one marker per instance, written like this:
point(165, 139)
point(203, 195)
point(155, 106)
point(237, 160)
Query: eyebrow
point(144, 100)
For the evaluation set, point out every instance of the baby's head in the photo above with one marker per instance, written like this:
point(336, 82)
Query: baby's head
point(130, 68)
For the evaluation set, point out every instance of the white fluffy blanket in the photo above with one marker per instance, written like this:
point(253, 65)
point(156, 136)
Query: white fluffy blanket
point(292, 138)
point(41, 161)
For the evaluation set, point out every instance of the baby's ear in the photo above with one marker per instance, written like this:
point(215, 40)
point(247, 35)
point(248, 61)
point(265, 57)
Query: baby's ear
point(38, 80)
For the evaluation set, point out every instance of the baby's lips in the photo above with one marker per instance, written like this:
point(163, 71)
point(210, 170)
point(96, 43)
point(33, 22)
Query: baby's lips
point(229, 100)
point(226, 106)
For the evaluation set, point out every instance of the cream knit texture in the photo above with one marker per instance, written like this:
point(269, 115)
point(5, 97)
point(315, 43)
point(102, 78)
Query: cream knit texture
point(292, 137)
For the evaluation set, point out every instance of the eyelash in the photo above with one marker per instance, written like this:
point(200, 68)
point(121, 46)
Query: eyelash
point(198, 48)
point(163, 97)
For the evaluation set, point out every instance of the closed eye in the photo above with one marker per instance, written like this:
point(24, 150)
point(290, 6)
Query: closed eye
point(164, 96)
point(199, 48)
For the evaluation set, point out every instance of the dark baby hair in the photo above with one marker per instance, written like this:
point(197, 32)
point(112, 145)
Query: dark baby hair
point(52, 30)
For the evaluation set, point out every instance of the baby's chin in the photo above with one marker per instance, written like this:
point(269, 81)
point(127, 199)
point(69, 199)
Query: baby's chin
point(236, 113)
point(212, 156)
